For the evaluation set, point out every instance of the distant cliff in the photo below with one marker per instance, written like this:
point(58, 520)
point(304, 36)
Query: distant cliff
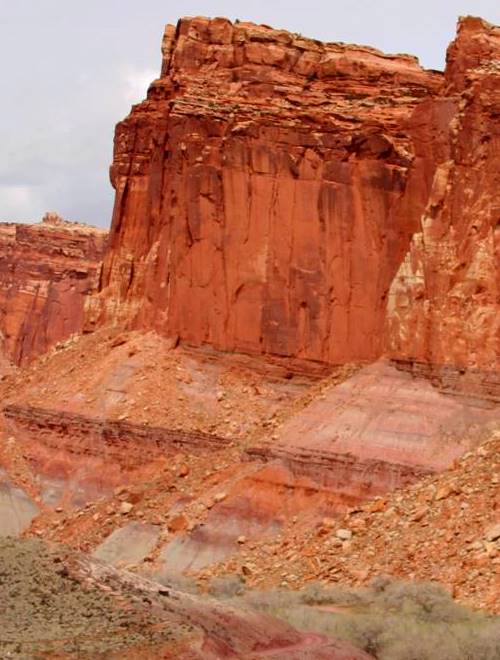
point(46, 271)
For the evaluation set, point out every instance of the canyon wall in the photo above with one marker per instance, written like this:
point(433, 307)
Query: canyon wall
point(280, 196)
point(46, 271)
point(267, 191)
point(443, 308)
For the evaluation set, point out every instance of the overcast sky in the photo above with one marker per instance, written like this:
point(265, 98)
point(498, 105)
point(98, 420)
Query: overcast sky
point(70, 69)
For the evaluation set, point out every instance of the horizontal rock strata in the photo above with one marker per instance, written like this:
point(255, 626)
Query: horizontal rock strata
point(78, 434)
point(476, 384)
point(379, 430)
point(352, 478)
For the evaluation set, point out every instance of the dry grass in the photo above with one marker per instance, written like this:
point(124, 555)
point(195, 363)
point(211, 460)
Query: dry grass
point(390, 619)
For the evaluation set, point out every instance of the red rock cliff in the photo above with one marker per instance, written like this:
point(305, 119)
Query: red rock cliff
point(277, 195)
point(444, 303)
point(266, 192)
point(46, 271)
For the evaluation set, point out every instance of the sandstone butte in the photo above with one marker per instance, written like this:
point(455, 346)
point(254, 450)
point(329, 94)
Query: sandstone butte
point(278, 196)
point(46, 272)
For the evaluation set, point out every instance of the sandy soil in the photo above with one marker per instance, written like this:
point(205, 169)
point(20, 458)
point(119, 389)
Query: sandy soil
point(46, 612)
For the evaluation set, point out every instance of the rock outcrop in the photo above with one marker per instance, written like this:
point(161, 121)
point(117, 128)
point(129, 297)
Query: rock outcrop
point(280, 196)
point(266, 193)
point(87, 436)
point(46, 271)
point(443, 308)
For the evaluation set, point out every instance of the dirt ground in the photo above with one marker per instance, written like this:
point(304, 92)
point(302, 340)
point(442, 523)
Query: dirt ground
point(47, 613)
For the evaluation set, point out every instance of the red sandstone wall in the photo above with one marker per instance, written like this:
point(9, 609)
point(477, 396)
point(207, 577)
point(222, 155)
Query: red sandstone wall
point(444, 302)
point(46, 271)
point(276, 195)
point(266, 193)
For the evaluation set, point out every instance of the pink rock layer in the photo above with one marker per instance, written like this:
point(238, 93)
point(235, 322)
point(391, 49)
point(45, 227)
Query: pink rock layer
point(379, 430)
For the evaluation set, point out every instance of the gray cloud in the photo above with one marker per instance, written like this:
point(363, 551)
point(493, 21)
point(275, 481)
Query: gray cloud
point(70, 71)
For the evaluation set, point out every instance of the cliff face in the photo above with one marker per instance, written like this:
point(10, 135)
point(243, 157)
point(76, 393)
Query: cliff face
point(266, 192)
point(279, 196)
point(46, 271)
point(444, 302)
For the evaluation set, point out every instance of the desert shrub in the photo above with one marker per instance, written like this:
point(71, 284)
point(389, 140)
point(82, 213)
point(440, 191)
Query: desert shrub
point(365, 631)
point(480, 642)
point(274, 602)
point(380, 583)
point(227, 586)
point(425, 601)
point(319, 594)
point(399, 636)
point(390, 619)
point(407, 640)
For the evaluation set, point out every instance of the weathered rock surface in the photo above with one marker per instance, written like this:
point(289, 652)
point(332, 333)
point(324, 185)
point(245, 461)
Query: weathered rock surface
point(107, 407)
point(378, 431)
point(93, 437)
point(307, 204)
point(279, 196)
point(443, 306)
point(46, 270)
point(17, 510)
point(129, 544)
point(440, 529)
point(266, 193)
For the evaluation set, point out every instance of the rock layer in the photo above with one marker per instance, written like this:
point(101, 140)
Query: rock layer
point(266, 193)
point(46, 271)
point(379, 430)
point(91, 437)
